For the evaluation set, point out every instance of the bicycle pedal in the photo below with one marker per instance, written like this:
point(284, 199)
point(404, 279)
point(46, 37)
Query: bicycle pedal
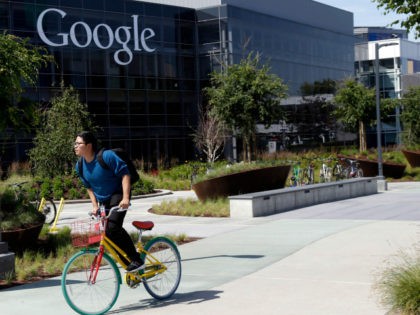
point(132, 281)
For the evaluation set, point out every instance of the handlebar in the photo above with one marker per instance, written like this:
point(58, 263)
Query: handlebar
point(98, 214)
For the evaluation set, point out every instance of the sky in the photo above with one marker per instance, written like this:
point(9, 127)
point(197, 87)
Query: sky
point(366, 13)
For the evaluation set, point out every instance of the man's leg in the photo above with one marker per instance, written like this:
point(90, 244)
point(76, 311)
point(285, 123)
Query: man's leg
point(119, 235)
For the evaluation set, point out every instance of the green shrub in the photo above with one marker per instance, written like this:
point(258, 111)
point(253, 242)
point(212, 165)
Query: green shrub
point(74, 193)
point(58, 193)
point(68, 182)
point(57, 188)
point(142, 187)
point(46, 188)
point(17, 213)
point(184, 171)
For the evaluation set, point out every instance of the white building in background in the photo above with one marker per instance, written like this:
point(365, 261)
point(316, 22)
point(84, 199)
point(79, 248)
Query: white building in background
point(399, 68)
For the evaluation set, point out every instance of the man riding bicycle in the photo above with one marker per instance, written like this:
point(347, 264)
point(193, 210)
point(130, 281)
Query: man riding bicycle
point(109, 188)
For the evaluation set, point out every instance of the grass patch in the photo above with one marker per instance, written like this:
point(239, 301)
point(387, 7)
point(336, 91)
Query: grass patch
point(399, 285)
point(167, 183)
point(193, 208)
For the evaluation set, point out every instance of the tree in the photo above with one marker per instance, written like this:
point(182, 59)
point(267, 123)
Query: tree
point(409, 8)
point(355, 108)
point(410, 117)
point(19, 66)
point(209, 136)
point(53, 154)
point(246, 94)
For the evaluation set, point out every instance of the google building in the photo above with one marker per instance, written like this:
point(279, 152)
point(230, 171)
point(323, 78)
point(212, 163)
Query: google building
point(140, 66)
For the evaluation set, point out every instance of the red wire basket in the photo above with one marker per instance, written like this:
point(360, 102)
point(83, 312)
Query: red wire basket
point(85, 232)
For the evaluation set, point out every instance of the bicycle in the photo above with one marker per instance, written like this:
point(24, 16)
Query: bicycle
point(296, 178)
point(352, 170)
point(325, 173)
point(44, 205)
point(338, 170)
point(308, 174)
point(91, 279)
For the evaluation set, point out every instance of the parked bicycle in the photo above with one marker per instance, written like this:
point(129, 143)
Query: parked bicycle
point(338, 170)
point(325, 172)
point(346, 168)
point(352, 170)
point(308, 177)
point(91, 279)
point(296, 177)
point(44, 205)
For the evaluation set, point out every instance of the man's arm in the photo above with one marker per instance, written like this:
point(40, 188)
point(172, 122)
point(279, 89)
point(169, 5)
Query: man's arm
point(126, 185)
point(92, 197)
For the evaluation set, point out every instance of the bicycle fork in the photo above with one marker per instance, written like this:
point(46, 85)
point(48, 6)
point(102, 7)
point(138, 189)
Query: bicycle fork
point(96, 263)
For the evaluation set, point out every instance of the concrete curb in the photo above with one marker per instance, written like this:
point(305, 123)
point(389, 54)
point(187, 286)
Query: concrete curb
point(159, 192)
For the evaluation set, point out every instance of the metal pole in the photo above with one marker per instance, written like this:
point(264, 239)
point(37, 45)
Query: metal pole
point(378, 113)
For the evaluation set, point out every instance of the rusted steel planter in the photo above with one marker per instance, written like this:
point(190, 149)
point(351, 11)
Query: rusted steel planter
point(262, 179)
point(22, 238)
point(413, 157)
point(370, 167)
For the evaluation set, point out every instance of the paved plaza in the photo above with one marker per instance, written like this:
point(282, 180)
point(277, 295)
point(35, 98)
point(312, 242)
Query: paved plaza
point(322, 259)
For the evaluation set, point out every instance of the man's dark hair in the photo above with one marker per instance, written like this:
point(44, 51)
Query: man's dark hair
point(89, 137)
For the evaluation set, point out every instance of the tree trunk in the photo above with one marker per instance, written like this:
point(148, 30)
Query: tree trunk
point(362, 137)
point(246, 148)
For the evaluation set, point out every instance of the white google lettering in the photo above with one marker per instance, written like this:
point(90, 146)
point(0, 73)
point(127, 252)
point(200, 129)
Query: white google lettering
point(73, 34)
point(122, 36)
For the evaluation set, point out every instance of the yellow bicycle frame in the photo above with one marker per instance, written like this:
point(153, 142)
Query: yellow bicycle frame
point(153, 265)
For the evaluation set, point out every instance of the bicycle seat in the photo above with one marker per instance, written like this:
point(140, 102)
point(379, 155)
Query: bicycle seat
point(143, 225)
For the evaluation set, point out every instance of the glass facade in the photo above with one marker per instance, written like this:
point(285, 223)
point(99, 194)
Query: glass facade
point(296, 52)
point(143, 97)
point(140, 66)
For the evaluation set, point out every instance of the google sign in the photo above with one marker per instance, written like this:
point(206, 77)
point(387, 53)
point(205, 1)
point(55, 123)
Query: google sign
point(122, 35)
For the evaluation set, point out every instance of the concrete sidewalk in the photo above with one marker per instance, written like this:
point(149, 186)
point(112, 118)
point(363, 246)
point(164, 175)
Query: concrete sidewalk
point(316, 260)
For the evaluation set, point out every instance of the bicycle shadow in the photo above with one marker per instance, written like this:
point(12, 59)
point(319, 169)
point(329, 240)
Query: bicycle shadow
point(45, 283)
point(185, 298)
point(195, 297)
point(225, 256)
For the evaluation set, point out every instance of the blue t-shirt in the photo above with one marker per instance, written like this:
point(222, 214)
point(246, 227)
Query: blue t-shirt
point(104, 182)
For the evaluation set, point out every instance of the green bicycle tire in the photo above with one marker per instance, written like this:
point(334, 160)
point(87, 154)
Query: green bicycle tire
point(90, 299)
point(163, 285)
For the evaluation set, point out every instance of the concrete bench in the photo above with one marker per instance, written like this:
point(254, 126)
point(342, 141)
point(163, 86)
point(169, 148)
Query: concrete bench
point(280, 200)
point(7, 261)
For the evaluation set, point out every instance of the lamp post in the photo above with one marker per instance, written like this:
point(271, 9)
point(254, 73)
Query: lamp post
point(378, 108)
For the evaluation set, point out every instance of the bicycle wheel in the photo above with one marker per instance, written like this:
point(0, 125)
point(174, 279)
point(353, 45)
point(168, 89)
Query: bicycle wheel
point(338, 172)
point(80, 293)
point(311, 176)
point(328, 174)
point(50, 211)
point(163, 285)
point(359, 173)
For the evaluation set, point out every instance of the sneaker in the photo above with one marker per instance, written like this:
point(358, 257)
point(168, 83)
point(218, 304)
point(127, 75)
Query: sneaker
point(135, 266)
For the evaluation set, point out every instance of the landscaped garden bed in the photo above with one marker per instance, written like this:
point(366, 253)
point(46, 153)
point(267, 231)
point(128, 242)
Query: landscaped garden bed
point(261, 179)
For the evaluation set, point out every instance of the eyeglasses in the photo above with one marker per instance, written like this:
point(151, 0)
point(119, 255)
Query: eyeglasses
point(76, 144)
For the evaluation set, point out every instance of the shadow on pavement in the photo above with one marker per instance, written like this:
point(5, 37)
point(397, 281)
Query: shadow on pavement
point(53, 282)
point(227, 256)
point(186, 298)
